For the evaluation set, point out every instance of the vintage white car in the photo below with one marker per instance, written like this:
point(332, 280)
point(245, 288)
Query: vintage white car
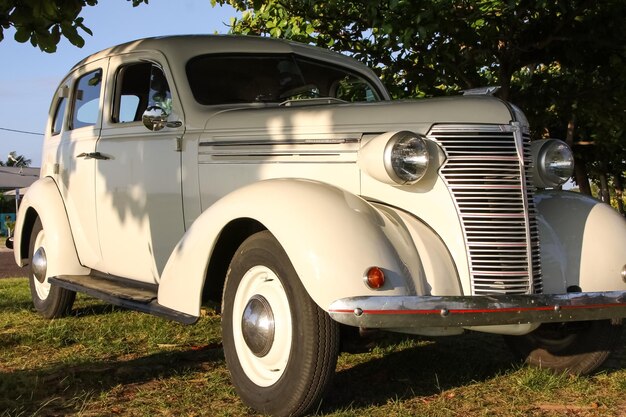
point(281, 181)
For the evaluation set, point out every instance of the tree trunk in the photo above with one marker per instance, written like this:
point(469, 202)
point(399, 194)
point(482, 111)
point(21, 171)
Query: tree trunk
point(605, 194)
point(580, 165)
point(580, 176)
point(505, 81)
point(619, 192)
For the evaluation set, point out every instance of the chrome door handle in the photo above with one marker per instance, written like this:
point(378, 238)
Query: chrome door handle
point(92, 155)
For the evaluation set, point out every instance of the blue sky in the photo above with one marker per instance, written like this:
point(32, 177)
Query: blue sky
point(29, 77)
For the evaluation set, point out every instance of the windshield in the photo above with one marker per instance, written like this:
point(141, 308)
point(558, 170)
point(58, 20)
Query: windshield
point(227, 79)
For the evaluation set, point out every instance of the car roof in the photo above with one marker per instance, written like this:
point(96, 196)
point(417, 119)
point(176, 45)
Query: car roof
point(188, 46)
point(179, 49)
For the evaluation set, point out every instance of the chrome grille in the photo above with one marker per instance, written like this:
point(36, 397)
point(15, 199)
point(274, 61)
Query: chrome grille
point(488, 171)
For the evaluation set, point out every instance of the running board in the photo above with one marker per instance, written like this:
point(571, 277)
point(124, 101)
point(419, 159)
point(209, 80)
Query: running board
point(121, 293)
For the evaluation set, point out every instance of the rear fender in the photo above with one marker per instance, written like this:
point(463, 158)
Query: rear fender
point(43, 200)
point(330, 235)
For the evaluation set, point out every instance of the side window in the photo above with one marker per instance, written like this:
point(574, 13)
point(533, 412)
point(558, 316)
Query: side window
point(139, 86)
point(160, 94)
point(272, 78)
point(132, 85)
point(129, 106)
point(353, 89)
point(59, 115)
point(86, 100)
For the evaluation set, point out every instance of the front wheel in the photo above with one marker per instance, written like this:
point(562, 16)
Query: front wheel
point(281, 348)
point(50, 300)
point(575, 347)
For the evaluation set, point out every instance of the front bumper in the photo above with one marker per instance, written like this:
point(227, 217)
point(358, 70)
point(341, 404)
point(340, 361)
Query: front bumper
point(389, 312)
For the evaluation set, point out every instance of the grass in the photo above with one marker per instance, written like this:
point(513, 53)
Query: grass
point(106, 361)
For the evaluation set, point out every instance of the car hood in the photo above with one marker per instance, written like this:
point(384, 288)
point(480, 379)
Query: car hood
point(323, 119)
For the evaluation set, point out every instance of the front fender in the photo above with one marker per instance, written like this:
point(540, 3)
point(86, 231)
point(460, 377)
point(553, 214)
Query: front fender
point(583, 243)
point(330, 235)
point(43, 200)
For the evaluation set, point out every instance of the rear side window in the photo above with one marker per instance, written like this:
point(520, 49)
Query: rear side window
point(86, 100)
point(59, 115)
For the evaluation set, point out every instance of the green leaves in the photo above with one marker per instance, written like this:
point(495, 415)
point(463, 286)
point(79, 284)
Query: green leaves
point(22, 35)
point(44, 22)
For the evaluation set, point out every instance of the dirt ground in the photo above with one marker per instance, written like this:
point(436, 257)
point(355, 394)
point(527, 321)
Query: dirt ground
point(8, 267)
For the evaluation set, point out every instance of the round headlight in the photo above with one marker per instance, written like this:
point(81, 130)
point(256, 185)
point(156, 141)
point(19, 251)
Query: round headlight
point(554, 163)
point(406, 157)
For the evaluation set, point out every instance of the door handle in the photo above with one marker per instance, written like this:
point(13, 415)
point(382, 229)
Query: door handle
point(92, 155)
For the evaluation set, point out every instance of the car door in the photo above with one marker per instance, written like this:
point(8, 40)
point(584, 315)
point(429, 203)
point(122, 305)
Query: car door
point(73, 139)
point(138, 181)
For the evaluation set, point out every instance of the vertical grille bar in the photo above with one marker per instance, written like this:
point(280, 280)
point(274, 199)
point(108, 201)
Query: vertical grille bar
point(488, 172)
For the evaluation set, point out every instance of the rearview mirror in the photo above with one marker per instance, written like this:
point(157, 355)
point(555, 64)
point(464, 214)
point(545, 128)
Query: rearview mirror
point(154, 118)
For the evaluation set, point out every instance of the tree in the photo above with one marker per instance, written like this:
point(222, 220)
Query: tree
point(561, 60)
point(15, 160)
point(43, 22)
point(431, 47)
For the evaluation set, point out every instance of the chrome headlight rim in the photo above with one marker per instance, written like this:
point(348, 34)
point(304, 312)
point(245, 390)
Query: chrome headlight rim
point(553, 172)
point(411, 142)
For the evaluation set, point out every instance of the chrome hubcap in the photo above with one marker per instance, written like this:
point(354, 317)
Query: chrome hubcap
point(40, 264)
point(262, 326)
point(39, 267)
point(258, 326)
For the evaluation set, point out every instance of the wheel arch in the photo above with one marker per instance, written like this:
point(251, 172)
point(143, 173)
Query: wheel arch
point(21, 250)
point(228, 241)
point(43, 200)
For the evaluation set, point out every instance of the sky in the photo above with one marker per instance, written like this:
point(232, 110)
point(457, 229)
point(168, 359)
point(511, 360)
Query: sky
point(29, 77)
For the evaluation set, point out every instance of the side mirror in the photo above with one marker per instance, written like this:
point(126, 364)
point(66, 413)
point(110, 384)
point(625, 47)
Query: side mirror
point(154, 118)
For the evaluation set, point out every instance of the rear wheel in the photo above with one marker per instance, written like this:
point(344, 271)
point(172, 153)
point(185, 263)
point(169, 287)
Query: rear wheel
point(281, 348)
point(574, 347)
point(50, 300)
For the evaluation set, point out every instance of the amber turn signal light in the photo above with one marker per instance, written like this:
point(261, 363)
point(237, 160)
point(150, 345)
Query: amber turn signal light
point(374, 278)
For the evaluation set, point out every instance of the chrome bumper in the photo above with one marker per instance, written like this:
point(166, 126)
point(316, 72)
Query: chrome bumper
point(388, 312)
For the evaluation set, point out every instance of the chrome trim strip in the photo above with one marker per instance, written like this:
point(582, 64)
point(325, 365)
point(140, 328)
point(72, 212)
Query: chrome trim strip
point(266, 154)
point(269, 142)
point(519, 145)
point(389, 312)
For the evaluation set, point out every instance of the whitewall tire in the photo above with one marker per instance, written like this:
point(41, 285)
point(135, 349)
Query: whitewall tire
point(49, 300)
point(281, 348)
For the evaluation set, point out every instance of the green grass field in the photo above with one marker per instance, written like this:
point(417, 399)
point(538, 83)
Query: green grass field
point(105, 361)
